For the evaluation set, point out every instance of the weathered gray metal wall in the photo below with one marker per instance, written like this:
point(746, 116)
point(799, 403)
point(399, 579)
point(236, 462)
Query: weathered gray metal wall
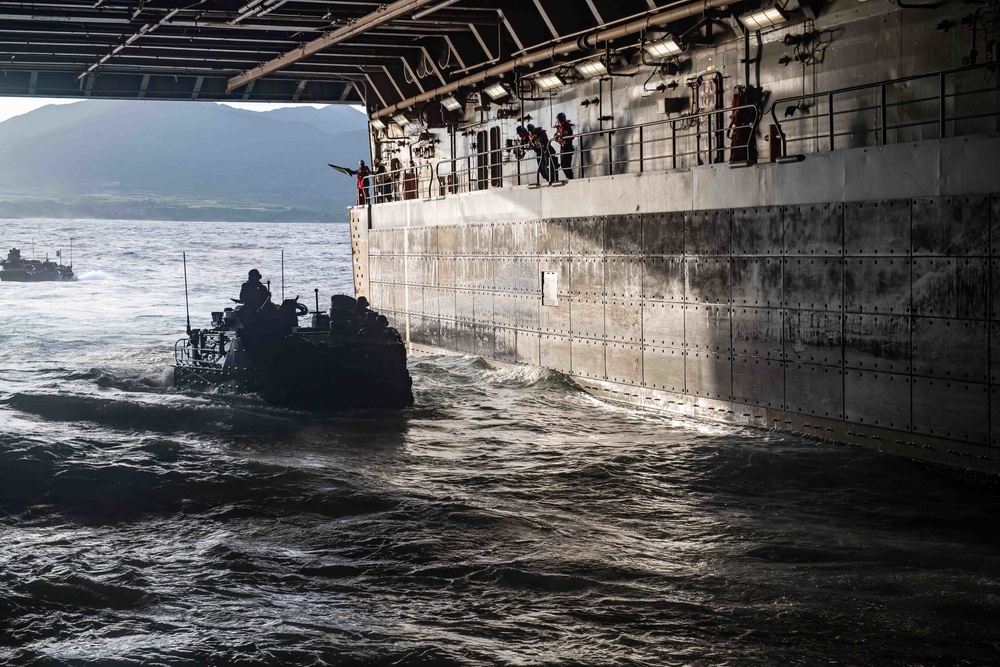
point(872, 321)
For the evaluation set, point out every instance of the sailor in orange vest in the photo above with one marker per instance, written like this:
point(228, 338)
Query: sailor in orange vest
point(564, 135)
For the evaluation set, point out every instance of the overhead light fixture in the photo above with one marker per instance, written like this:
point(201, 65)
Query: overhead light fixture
point(401, 119)
point(549, 81)
point(592, 68)
point(768, 16)
point(378, 124)
point(664, 48)
point(451, 104)
point(497, 91)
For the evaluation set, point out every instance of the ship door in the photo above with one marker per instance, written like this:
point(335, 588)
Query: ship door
point(482, 161)
point(496, 165)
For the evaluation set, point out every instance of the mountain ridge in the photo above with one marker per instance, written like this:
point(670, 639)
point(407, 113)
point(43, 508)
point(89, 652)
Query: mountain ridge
point(102, 158)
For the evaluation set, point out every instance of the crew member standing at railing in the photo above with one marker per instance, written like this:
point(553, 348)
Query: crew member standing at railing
point(363, 173)
point(546, 157)
point(564, 135)
point(381, 178)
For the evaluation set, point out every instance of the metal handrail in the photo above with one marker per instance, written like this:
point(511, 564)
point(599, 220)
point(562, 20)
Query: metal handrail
point(882, 127)
point(394, 186)
point(709, 124)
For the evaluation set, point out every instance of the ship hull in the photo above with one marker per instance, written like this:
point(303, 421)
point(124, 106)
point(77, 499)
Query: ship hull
point(813, 298)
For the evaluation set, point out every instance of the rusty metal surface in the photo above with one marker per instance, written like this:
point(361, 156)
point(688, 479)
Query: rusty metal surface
point(663, 324)
point(623, 277)
point(813, 337)
point(877, 285)
point(587, 317)
point(877, 342)
point(813, 282)
point(663, 368)
point(758, 231)
point(707, 328)
point(707, 279)
point(951, 287)
point(663, 278)
point(951, 349)
point(709, 375)
point(953, 226)
point(757, 332)
point(708, 232)
point(877, 399)
point(588, 358)
point(951, 409)
point(814, 390)
point(623, 320)
point(623, 235)
point(877, 228)
point(756, 281)
point(814, 229)
point(587, 276)
point(663, 234)
point(623, 363)
point(758, 382)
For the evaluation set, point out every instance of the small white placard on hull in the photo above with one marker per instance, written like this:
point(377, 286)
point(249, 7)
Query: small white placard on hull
point(550, 288)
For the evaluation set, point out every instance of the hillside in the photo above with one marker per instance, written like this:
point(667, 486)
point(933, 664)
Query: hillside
point(164, 160)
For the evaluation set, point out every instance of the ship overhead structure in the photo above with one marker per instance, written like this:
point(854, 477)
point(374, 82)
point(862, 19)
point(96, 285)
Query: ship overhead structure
point(780, 213)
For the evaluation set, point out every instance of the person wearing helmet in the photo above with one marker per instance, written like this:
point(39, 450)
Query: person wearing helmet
point(253, 293)
point(564, 135)
point(546, 156)
point(523, 142)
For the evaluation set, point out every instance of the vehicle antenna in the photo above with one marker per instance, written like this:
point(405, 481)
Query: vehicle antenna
point(32, 249)
point(282, 275)
point(316, 290)
point(71, 252)
point(187, 308)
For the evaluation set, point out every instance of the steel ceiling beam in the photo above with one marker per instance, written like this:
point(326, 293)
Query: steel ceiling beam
point(377, 18)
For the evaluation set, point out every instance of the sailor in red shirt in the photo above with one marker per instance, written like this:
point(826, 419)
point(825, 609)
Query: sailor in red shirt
point(363, 173)
point(564, 135)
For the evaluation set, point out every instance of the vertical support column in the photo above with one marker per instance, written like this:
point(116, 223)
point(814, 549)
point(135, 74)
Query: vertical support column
point(941, 104)
point(883, 121)
point(829, 117)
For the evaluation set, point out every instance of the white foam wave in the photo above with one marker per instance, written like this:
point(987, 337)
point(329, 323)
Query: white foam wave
point(95, 275)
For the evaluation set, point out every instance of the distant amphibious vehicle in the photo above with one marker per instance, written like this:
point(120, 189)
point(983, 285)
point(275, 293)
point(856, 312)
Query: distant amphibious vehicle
point(19, 270)
point(347, 357)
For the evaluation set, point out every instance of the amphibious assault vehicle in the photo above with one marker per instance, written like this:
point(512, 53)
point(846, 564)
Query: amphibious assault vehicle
point(348, 357)
point(17, 269)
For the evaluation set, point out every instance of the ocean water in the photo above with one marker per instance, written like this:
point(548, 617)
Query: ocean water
point(506, 519)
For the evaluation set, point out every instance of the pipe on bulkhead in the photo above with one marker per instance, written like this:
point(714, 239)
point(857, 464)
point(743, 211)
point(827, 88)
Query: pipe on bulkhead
point(583, 43)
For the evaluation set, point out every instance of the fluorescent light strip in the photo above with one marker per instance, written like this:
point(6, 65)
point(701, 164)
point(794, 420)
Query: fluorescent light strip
point(549, 81)
point(497, 91)
point(765, 17)
point(378, 124)
point(592, 68)
point(451, 104)
point(664, 48)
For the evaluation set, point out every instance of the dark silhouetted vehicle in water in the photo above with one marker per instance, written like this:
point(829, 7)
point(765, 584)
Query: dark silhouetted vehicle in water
point(17, 269)
point(348, 357)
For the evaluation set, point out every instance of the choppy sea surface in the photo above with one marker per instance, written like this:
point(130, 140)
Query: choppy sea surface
point(506, 519)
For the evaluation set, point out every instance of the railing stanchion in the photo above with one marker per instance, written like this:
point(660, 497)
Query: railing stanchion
point(711, 159)
point(641, 151)
point(882, 114)
point(673, 144)
point(611, 155)
point(941, 104)
point(829, 117)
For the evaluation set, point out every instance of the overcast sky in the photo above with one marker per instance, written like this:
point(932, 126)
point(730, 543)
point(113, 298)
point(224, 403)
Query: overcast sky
point(15, 106)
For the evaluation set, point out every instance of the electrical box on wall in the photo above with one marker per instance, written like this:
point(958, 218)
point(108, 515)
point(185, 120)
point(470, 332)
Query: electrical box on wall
point(671, 104)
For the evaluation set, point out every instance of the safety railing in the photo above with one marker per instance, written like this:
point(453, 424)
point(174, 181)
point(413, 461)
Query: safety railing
point(882, 112)
point(705, 137)
point(204, 350)
point(396, 185)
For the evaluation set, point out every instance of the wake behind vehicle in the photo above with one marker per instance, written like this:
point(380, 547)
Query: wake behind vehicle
point(18, 269)
point(348, 357)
